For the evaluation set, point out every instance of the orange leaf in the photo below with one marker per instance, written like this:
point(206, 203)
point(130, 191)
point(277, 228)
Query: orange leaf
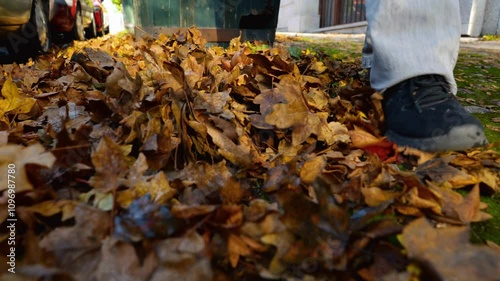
point(237, 247)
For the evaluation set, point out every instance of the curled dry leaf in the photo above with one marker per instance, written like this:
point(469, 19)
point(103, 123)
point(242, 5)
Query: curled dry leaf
point(182, 258)
point(448, 253)
point(13, 160)
point(109, 164)
point(312, 169)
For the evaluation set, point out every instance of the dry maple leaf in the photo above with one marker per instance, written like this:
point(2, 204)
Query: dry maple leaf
point(13, 102)
point(448, 253)
point(182, 258)
point(109, 165)
point(120, 81)
point(295, 114)
point(119, 261)
point(439, 171)
point(160, 189)
point(212, 102)
point(237, 247)
point(238, 154)
point(464, 209)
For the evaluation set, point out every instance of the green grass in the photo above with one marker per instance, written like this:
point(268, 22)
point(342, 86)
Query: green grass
point(491, 37)
point(342, 49)
point(487, 230)
point(337, 53)
point(478, 81)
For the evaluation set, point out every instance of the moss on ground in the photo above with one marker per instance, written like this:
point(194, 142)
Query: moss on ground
point(491, 37)
point(341, 49)
point(487, 230)
point(478, 81)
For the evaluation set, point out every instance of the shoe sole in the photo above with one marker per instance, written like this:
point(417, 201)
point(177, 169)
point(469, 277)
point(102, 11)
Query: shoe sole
point(459, 138)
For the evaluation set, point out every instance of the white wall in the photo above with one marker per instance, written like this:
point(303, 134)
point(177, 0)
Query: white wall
point(480, 17)
point(491, 23)
point(298, 15)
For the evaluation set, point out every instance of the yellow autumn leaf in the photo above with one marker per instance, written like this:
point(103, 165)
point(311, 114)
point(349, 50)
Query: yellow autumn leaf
point(15, 157)
point(312, 169)
point(51, 207)
point(125, 197)
point(319, 67)
point(12, 101)
point(160, 188)
point(100, 200)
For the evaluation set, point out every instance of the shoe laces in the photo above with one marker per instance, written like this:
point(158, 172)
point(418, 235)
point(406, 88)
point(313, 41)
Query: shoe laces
point(429, 90)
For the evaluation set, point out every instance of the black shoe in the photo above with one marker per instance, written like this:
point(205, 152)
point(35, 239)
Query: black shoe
point(421, 112)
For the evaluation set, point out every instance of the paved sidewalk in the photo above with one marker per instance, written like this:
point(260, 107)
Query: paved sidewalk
point(477, 44)
point(465, 42)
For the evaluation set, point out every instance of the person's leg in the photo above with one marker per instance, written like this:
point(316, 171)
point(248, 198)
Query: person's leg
point(411, 48)
point(412, 38)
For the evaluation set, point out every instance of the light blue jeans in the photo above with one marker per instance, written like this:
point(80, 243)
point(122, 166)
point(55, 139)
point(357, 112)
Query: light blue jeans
point(407, 38)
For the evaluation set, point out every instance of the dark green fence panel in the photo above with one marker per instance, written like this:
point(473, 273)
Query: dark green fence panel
point(218, 20)
point(128, 14)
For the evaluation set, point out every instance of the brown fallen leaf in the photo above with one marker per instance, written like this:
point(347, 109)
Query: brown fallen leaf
point(489, 177)
point(109, 164)
point(375, 196)
point(212, 102)
point(283, 242)
point(439, 171)
point(447, 252)
point(232, 192)
point(120, 80)
point(119, 261)
point(422, 156)
point(191, 211)
point(422, 198)
point(77, 249)
point(51, 207)
point(237, 154)
point(312, 169)
point(465, 209)
point(237, 247)
point(182, 258)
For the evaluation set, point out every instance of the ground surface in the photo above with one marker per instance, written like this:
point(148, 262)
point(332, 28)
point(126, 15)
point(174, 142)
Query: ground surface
point(169, 160)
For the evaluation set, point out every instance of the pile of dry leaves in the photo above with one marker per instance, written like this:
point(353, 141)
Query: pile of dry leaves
point(164, 159)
